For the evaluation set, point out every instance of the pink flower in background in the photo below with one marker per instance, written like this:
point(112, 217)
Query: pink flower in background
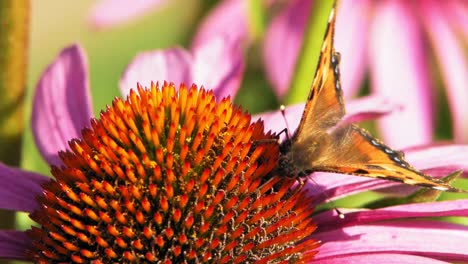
point(219, 21)
point(217, 63)
point(109, 13)
point(390, 38)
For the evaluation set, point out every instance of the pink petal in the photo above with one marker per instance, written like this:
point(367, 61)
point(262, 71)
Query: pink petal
point(351, 37)
point(326, 187)
point(368, 108)
point(423, 238)
point(19, 189)
point(381, 258)
point(109, 13)
point(218, 64)
point(228, 18)
point(13, 245)
point(171, 65)
point(62, 103)
point(451, 157)
point(453, 65)
point(283, 41)
point(328, 220)
point(399, 72)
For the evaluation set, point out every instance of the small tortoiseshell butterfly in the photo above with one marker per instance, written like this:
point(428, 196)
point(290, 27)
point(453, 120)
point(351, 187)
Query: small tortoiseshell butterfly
point(321, 144)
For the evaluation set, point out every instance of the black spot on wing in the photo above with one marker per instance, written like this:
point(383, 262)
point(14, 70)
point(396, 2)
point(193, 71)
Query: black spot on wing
point(313, 92)
point(361, 171)
point(390, 178)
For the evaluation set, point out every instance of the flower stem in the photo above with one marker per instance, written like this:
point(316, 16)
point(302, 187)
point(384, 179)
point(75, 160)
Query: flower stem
point(14, 40)
point(310, 51)
point(256, 15)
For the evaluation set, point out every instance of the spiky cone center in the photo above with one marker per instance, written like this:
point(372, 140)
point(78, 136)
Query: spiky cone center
point(172, 176)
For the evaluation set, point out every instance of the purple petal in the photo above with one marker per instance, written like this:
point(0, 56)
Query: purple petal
point(325, 187)
point(171, 65)
point(352, 27)
point(449, 157)
point(454, 65)
point(13, 245)
point(283, 42)
point(218, 64)
point(399, 72)
point(19, 189)
point(328, 220)
point(436, 239)
point(62, 103)
point(228, 18)
point(381, 258)
point(368, 108)
point(109, 13)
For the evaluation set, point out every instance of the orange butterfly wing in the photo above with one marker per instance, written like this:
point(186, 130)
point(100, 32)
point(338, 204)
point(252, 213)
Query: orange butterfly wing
point(325, 106)
point(320, 145)
point(352, 150)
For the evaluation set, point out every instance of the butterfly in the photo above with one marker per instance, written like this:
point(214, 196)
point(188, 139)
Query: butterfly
point(320, 143)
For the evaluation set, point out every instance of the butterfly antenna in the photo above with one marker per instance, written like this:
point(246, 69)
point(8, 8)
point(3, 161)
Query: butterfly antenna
point(337, 211)
point(283, 113)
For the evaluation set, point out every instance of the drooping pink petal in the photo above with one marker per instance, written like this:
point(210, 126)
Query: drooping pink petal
point(20, 189)
point(453, 64)
point(283, 42)
point(171, 65)
point(399, 72)
point(62, 103)
point(228, 18)
point(407, 237)
point(328, 220)
point(109, 13)
point(218, 64)
point(351, 37)
point(326, 187)
point(368, 108)
point(449, 157)
point(381, 258)
point(13, 244)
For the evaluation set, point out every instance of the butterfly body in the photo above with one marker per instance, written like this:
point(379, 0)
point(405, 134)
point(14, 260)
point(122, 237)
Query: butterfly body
point(321, 143)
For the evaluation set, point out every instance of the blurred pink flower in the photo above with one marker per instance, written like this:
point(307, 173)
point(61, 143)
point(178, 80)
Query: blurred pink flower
point(385, 234)
point(390, 38)
point(109, 13)
point(217, 63)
